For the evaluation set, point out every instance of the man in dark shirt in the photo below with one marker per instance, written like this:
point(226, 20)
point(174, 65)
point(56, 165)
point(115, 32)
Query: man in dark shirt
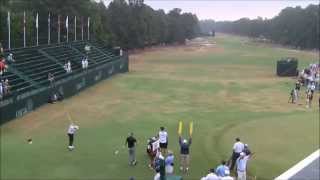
point(131, 142)
point(184, 153)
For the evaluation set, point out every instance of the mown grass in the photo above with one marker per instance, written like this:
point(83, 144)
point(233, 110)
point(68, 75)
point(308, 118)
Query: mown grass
point(227, 93)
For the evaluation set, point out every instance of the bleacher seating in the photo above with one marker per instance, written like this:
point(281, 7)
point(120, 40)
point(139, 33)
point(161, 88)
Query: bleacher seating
point(32, 65)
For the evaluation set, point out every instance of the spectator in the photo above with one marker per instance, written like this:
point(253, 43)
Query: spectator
point(10, 58)
point(237, 149)
point(3, 66)
point(222, 169)
point(131, 142)
point(67, 67)
point(84, 63)
point(227, 177)
point(51, 79)
point(1, 50)
point(184, 154)
point(87, 49)
point(1, 90)
point(211, 176)
point(169, 162)
point(157, 176)
point(246, 150)
point(6, 87)
point(242, 166)
point(163, 139)
point(309, 98)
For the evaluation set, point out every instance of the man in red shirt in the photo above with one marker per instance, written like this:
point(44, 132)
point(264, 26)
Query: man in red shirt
point(2, 66)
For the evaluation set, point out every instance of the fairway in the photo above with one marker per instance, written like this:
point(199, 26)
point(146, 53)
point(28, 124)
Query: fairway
point(228, 89)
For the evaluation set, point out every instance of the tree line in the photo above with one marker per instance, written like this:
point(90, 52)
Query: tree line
point(129, 24)
point(297, 27)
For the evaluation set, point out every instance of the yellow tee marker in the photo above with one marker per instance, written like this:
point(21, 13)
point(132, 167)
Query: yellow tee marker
point(191, 128)
point(180, 128)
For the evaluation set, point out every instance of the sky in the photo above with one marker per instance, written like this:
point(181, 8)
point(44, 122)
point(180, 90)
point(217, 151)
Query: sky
point(220, 10)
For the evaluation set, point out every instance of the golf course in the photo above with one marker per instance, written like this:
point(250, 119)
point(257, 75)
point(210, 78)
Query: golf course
point(226, 85)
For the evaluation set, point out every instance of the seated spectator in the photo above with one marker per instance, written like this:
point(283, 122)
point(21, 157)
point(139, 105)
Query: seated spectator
point(10, 58)
point(51, 79)
point(222, 169)
point(6, 87)
point(3, 66)
point(87, 49)
point(169, 162)
point(67, 67)
point(211, 176)
point(84, 63)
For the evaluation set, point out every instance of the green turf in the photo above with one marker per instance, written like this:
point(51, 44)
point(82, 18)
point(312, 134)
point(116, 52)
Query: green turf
point(228, 93)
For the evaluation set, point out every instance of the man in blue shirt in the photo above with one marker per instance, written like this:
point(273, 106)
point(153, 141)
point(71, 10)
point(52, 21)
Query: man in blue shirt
point(222, 169)
point(169, 162)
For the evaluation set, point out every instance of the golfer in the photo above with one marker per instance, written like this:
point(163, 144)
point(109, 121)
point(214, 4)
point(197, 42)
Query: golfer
point(131, 142)
point(163, 139)
point(184, 153)
point(71, 131)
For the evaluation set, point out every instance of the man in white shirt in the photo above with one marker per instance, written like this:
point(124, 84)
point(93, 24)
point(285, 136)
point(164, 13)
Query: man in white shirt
point(163, 139)
point(211, 176)
point(71, 131)
point(241, 164)
point(238, 148)
point(227, 177)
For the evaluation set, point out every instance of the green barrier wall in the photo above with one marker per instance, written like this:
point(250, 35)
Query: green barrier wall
point(22, 104)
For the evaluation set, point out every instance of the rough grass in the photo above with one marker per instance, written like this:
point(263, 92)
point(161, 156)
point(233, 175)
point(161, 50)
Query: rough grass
point(228, 90)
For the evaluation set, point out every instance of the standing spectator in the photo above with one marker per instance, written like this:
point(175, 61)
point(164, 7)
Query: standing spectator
point(152, 150)
point(1, 90)
point(163, 139)
point(51, 79)
point(69, 67)
point(309, 98)
point(184, 153)
point(157, 175)
point(242, 166)
point(237, 149)
point(71, 131)
point(211, 176)
point(222, 169)
point(169, 162)
point(131, 142)
point(246, 150)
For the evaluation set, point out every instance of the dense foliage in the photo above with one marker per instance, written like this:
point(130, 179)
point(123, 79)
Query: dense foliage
point(129, 24)
point(297, 27)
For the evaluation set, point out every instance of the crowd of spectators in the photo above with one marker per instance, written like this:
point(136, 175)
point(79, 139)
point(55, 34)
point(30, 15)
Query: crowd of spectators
point(310, 79)
point(4, 82)
point(238, 161)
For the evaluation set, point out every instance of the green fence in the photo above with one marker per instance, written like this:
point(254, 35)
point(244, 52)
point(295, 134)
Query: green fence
point(22, 104)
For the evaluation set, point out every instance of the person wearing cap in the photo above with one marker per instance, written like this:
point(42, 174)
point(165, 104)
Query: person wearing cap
point(184, 153)
point(131, 142)
point(237, 149)
point(169, 162)
point(222, 169)
point(211, 175)
point(246, 149)
point(241, 164)
point(71, 131)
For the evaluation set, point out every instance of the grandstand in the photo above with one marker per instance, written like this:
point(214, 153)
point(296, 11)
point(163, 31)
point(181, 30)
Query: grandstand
point(28, 75)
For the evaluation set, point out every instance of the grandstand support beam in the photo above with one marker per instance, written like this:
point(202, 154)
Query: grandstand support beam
point(67, 27)
point(88, 28)
point(37, 27)
point(75, 28)
point(58, 29)
point(49, 28)
point(82, 28)
point(9, 31)
point(24, 29)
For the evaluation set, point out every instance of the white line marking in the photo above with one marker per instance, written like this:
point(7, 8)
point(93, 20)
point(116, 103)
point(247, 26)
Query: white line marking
point(298, 167)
